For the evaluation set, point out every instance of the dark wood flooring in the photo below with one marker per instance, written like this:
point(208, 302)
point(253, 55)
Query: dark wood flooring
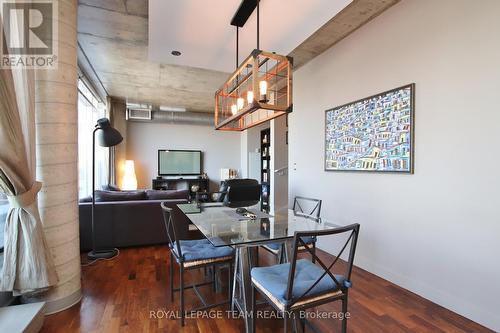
point(119, 296)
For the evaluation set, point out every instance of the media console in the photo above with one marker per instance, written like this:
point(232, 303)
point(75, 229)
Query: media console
point(180, 183)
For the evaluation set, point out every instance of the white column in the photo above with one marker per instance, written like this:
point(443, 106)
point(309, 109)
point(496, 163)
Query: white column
point(279, 159)
point(57, 161)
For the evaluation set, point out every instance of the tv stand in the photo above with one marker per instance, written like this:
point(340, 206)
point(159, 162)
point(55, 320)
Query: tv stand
point(181, 183)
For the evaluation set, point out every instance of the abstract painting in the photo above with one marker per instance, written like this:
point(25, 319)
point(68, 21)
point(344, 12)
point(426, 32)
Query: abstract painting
point(372, 134)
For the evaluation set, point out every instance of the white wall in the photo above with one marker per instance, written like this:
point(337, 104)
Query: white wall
point(279, 159)
point(250, 143)
point(436, 232)
point(220, 149)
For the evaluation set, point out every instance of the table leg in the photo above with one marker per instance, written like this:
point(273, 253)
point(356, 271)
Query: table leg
point(235, 278)
point(298, 324)
point(246, 284)
point(288, 249)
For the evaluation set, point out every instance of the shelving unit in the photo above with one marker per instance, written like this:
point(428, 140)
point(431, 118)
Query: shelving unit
point(265, 167)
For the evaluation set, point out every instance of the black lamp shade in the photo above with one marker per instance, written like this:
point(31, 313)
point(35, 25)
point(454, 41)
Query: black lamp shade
point(107, 136)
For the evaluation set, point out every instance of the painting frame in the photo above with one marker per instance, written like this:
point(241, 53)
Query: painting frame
point(411, 163)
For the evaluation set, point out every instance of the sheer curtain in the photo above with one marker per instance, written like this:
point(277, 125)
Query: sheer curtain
point(89, 110)
point(28, 266)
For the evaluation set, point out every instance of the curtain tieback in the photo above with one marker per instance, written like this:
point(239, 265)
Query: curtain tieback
point(25, 199)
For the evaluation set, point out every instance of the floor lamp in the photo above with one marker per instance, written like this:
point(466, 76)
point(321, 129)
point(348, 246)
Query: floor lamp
point(107, 136)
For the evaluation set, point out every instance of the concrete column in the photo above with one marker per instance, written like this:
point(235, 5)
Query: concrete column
point(57, 161)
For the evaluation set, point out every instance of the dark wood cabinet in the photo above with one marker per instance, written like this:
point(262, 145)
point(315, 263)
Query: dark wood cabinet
point(265, 168)
point(182, 184)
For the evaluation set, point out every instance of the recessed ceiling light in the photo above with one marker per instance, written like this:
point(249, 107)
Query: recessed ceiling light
point(176, 53)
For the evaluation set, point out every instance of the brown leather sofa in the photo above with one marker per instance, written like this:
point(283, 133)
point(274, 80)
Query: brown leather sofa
point(124, 219)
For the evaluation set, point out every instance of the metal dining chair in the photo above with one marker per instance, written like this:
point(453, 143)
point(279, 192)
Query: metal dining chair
point(194, 254)
point(305, 207)
point(292, 288)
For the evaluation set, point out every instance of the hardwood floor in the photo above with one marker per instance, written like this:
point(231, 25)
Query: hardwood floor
point(127, 293)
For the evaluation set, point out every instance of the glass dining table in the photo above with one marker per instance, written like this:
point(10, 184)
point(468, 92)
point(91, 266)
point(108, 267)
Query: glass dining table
point(223, 226)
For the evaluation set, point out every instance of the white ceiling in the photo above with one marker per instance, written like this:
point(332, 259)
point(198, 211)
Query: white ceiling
point(201, 29)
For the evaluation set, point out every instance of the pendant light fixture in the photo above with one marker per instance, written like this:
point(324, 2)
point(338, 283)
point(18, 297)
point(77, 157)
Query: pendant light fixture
point(259, 89)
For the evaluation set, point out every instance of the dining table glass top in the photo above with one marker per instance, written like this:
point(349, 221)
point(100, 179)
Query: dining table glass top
point(222, 225)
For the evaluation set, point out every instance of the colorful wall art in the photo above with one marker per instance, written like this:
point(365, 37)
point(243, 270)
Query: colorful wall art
point(372, 134)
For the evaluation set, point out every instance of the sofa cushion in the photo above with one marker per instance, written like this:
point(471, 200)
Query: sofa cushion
point(105, 196)
point(129, 223)
point(166, 194)
point(110, 187)
point(86, 199)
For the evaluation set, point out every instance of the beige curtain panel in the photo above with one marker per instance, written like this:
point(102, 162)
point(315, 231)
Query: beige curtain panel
point(28, 266)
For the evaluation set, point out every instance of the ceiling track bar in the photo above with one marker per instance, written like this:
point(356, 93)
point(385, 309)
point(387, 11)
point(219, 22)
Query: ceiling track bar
point(243, 12)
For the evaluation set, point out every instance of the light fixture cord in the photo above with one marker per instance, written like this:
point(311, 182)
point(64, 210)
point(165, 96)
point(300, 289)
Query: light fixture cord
point(258, 24)
point(237, 46)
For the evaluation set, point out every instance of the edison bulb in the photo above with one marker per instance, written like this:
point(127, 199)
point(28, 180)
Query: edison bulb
point(250, 97)
point(263, 87)
point(241, 102)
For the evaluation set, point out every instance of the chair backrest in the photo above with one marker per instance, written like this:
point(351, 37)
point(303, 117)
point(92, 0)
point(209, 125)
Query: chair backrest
point(351, 230)
point(242, 193)
point(171, 229)
point(221, 194)
point(307, 207)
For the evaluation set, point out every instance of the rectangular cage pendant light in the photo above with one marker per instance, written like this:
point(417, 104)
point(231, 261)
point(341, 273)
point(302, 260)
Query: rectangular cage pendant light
point(259, 90)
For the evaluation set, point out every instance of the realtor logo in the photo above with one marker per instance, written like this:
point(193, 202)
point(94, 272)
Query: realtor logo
point(28, 34)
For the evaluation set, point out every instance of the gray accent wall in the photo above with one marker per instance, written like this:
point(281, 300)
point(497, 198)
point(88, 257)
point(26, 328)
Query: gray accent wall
point(220, 149)
point(435, 232)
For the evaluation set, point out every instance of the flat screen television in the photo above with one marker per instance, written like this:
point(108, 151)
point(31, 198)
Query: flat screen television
point(179, 162)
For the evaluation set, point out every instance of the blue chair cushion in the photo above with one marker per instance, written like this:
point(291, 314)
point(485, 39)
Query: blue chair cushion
point(201, 249)
point(308, 240)
point(275, 279)
point(274, 246)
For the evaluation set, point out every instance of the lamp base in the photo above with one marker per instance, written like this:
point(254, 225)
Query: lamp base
point(102, 254)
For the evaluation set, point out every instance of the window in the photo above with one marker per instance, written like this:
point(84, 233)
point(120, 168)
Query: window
point(89, 110)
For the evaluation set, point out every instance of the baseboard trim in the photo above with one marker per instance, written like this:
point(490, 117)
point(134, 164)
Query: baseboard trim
point(64, 303)
point(445, 300)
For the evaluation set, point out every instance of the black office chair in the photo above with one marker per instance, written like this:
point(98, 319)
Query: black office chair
point(242, 193)
point(194, 254)
point(235, 193)
point(305, 207)
point(292, 288)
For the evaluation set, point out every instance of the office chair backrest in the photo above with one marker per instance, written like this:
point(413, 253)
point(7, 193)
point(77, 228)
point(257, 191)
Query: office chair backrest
point(242, 193)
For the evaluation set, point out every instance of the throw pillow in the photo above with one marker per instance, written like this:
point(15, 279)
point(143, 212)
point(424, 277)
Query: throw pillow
point(110, 187)
point(167, 194)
